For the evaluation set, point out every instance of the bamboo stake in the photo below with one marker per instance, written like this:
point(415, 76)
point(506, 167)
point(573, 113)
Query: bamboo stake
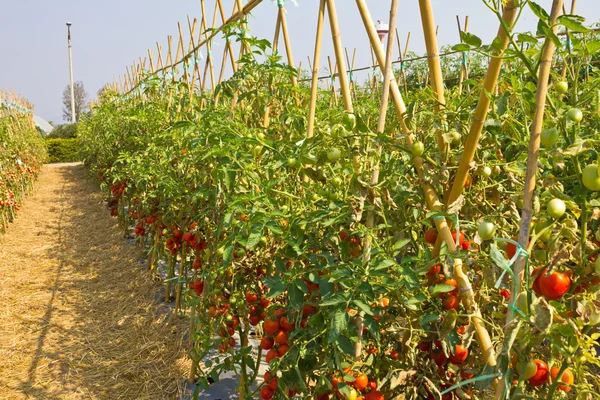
point(463, 284)
point(481, 111)
point(435, 69)
point(339, 55)
point(566, 62)
point(315, 70)
point(151, 61)
point(385, 98)
point(530, 178)
point(401, 58)
point(333, 70)
point(286, 40)
point(463, 69)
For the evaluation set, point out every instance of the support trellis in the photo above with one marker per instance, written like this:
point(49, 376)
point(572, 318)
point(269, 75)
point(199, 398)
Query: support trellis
point(341, 69)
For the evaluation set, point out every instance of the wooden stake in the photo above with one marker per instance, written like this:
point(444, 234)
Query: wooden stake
point(481, 111)
point(339, 55)
point(530, 179)
point(315, 70)
point(463, 73)
point(151, 61)
point(435, 69)
point(332, 71)
point(370, 224)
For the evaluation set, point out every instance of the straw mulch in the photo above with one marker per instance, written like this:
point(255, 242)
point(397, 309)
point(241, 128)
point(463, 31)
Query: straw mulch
point(78, 315)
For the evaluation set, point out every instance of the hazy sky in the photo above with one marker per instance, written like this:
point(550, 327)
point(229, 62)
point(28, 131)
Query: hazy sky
point(109, 34)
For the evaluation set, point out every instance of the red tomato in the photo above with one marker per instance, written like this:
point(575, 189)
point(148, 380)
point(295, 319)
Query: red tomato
point(450, 302)
point(439, 357)
point(554, 285)
point(374, 396)
point(541, 375)
point(431, 235)
point(460, 355)
point(266, 393)
point(361, 381)
point(271, 327)
point(567, 378)
point(266, 343)
point(286, 324)
point(461, 238)
point(281, 338)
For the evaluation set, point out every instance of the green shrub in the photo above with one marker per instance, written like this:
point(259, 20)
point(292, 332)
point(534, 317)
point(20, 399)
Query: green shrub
point(66, 131)
point(63, 150)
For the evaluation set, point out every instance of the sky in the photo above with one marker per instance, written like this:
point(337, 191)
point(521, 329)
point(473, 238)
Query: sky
point(109, 35)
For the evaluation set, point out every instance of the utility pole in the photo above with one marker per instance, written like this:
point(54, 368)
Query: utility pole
point(73, 116)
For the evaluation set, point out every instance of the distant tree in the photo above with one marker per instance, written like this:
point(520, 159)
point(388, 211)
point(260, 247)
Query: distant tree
point(81, 101)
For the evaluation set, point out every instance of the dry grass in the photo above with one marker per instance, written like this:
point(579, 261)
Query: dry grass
point(78, 316)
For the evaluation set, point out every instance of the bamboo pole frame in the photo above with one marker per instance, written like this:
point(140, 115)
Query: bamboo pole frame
point(463, 284)
point(464, 71)
point(312, 108)
point(530, 177)
point(435, 69)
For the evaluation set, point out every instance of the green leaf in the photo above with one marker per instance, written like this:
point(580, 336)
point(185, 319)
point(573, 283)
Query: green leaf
point(527, 38)
point(255, 235)
point(337, 298)
point(539, 11)
point(276, 286)
point(592, 47)
point(339, 323)
point(363, 306)
point(383, 264)
point(461, 47)
point(441, 288)
point(471, 39)
point(573, 23)
point(296, 296)
point(346, 345)
point(372, 327)
point(228, 252)
point(429, 318)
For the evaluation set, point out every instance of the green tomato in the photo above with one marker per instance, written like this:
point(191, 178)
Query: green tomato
point(417, 148)
point(338, 130)
point(530, 369)
point(597, 265)
point(591, 177)
point(292, 162)
point(594, 318)
point(522, 301)
point(486, 230)
point(486, 171)
point(556, 208)
point(575, 115)
point(220, 251)
point(334, 155)
point(455, 138)
point(337, 182)
point(257, 150)
point(562, 87)
point(549, 137)
point(240, 252)
point(349, 121)
point(540, 226)
point(261, 136)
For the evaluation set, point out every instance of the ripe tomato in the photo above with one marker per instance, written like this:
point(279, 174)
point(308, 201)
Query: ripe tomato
point(372, 385)
point(434, 270)
point(438, 356)
point(451, 282)
point(281, 337)
point(431, 235)
point(461, 238)
point(460, 355)
point(286, 324)
point(266, 393)
point(374, 396)
point(251, 297)
point(554, 285)
point(394, 355)
point(541, 374)
point(361, 381)
point(567, 378)
point(266, 343)
point(450, 302)
point(271, 355)
point(283, 349)
point(271, 327)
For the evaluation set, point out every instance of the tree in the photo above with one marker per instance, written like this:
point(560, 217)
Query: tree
point(81, 101)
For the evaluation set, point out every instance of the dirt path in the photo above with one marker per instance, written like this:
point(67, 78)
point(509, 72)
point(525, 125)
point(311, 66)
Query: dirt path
point(78, 317)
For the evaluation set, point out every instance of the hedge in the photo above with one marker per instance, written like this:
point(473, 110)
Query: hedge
point(63, 150)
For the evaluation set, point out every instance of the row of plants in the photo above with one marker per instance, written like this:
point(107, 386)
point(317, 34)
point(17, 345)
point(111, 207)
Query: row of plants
point(22, 154)
point(279, 248)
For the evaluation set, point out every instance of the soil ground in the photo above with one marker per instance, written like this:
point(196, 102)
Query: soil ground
point(79, 317)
